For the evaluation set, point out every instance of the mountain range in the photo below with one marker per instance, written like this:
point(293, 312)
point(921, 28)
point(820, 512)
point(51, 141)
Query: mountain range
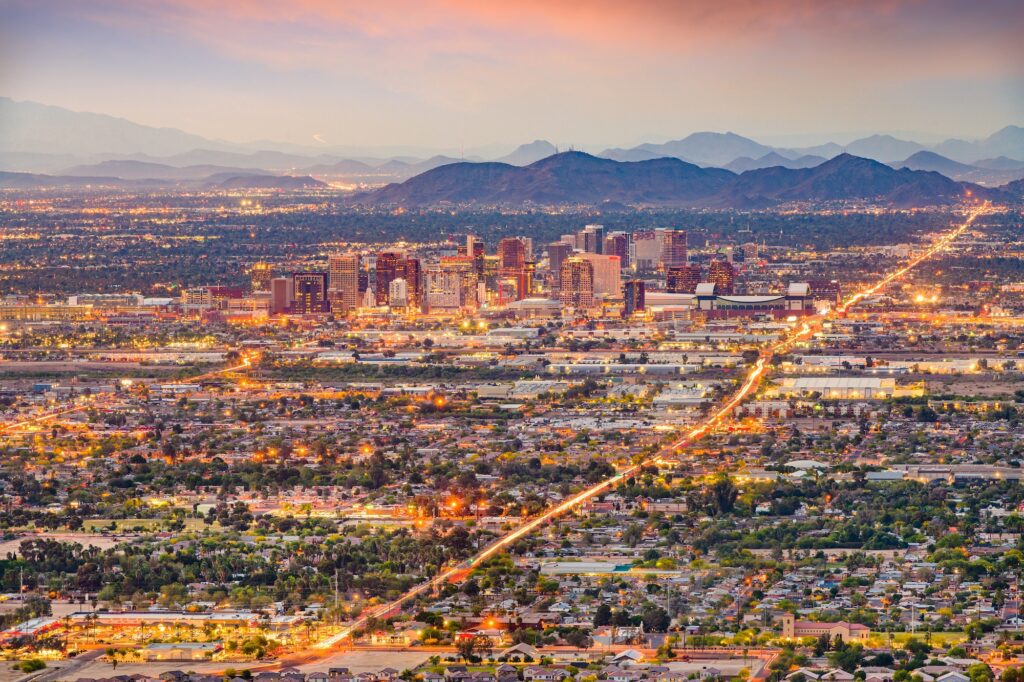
point(214, 180)
point(582, 179)
point(48, 139)
point(59, 147)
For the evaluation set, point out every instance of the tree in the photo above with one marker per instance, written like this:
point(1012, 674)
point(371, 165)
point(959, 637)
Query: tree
point(666, 652)
point(847, 657)
point(822, 644)
point(32, 665)
point(466, 648)
point(979, 672)
point(603, 616)
point(655, 619)
point(579, 639)
point(917, 648)
point(723, 493)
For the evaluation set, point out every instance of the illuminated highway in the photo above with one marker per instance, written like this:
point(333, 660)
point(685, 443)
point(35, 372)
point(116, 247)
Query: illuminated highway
point(750, 384)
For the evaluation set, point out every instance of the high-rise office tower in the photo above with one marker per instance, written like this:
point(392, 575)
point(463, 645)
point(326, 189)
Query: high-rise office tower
point(398, 293)
point(576, 289)
point(512, 260)
point(343, 281)
point(607, 274)
point(634, 293)
point(557, 253)
point(463, 271)
point(474, 249)
point(723, 275)
point(673, 250)
point(388, 265)
point(528, 247)
point(260, 275)
point(411, 271)
point(647, 249)
point(617, 244)
point(443, 289)
point(512, 253)
point(310, 292)
point(683, 279)
point(591, 239)
point(280, 295)
point(526, 280)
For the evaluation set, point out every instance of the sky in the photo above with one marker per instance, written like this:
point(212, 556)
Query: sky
point(467, 74)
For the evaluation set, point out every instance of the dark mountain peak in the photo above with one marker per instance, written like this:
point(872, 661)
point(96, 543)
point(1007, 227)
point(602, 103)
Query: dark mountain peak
point(580, 178)
point(571, 159)
point(846, 160)
point(637, 154)
point(745, 163)
point(931, 161)
point(926, 155)
point(286, 182)
point(1015, 188)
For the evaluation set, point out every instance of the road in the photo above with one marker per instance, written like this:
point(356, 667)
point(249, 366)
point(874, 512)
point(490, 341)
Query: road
point(67, 671)
point(800, 332)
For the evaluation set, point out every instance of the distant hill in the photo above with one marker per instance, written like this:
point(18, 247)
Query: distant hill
point(1000, 163)
point(141, 170)
point(618, 154)
point(844, 177)
point(269, 182)
point(222, 180)
point(883, 148)
point(17, 180)
point(569, 177)
point(578, 178)
point(343, 167)
point(709, 149)
point(930, 161)
point(1015, 189)
point(1007, 142)
point(525, 154)
point(260, 160)
point(745, 163)
point(825, 151)
point(925, 160)
point(39, 128)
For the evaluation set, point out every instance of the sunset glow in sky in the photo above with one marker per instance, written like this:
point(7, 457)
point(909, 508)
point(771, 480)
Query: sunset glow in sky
point(445, 73)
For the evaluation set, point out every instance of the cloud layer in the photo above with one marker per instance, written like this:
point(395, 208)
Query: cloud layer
point(458, 72)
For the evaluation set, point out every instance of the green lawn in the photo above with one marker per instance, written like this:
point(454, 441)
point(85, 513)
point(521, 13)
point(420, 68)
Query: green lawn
point(938, 639)
point(124, 525)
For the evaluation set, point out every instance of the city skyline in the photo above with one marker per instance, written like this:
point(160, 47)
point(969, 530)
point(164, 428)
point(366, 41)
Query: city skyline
point(538, 341)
